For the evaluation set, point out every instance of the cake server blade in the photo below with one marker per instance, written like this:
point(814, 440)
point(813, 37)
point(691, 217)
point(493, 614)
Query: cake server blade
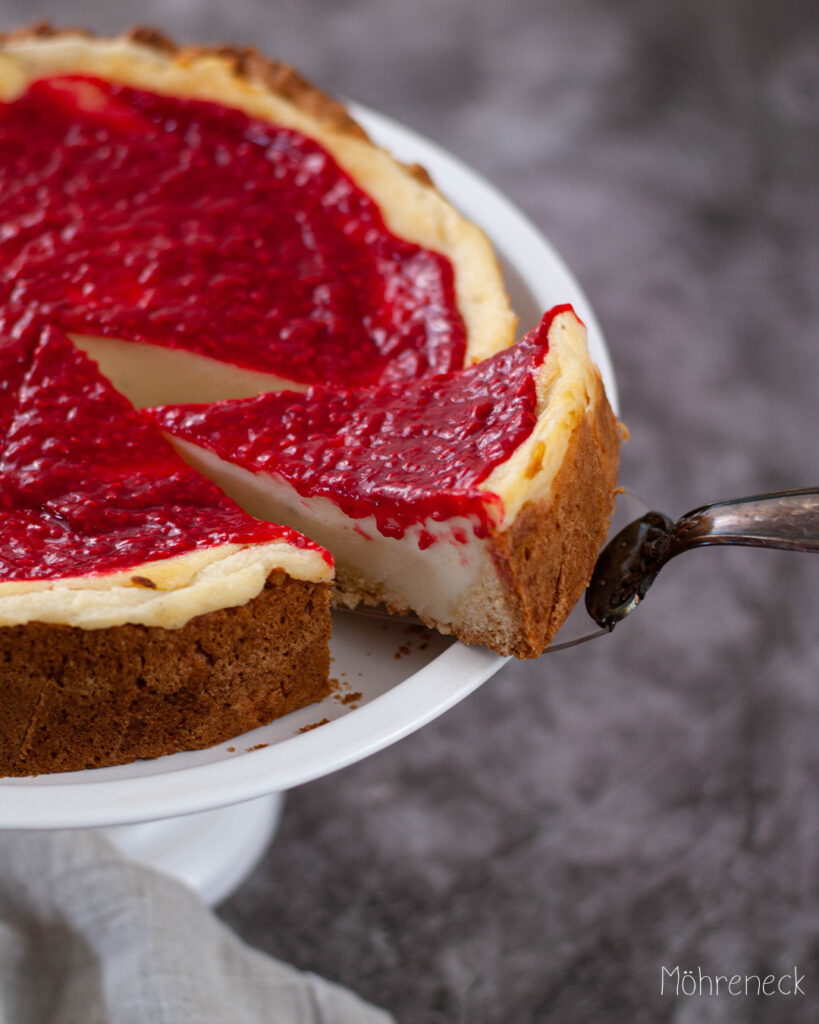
point(630, 562)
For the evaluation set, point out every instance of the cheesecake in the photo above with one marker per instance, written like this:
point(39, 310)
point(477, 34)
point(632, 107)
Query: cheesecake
point(202, 234)
point(455, 496)
point(142, 611)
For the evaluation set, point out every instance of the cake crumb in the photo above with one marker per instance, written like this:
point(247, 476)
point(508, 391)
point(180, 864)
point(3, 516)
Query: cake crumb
point(402, 652)
point(143, 581)
point(314, 725)
point(342, 691)
point(231, 750)
point(258, 746)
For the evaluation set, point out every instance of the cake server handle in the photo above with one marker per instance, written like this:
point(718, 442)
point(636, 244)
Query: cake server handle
point(629, 564)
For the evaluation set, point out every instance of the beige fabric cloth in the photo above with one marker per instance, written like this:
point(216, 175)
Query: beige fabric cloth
point(87, 937)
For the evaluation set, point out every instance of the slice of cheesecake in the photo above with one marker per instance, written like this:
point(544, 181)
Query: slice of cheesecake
point(207, 225)
point(141, 611)
point(477, 499)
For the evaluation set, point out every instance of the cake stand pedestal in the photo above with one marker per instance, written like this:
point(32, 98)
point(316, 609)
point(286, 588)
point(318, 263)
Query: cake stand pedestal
point(212, 851)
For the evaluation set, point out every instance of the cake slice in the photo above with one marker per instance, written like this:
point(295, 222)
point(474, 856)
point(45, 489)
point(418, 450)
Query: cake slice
point(141, 611)
point(477, 499)
point(207, 225)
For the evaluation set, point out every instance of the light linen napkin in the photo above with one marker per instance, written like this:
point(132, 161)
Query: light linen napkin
point(88, 937)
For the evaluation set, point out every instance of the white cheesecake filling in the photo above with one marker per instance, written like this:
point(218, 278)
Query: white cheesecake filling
point(166, 593)
point(431, 580)
point(154, 375)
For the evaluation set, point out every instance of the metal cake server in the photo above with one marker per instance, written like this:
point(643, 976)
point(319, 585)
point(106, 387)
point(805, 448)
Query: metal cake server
point(629, 563)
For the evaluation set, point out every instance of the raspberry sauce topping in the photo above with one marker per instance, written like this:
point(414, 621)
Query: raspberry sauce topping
point(402, 453)
point(87, 484)
point(188, 224)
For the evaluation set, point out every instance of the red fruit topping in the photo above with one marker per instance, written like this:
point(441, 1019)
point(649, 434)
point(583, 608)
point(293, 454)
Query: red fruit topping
point(87, 483)
point(402, 453)
point(188, 224)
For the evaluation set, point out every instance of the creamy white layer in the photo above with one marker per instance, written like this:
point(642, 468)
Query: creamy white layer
point(155, 375)
point(165, 593)
point(430, 581)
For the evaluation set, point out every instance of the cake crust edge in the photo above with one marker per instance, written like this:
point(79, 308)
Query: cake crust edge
point(245, 62)
point(546, 558)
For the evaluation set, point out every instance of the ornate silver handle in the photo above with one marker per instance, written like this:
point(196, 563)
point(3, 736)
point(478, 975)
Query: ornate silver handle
point(784, 519)
point(630, 562)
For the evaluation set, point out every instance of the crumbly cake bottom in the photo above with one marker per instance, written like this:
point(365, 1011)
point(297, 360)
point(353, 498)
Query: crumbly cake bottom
point(75, 698)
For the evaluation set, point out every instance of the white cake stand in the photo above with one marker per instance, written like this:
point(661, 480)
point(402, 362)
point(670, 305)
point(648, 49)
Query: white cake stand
point(206, 816)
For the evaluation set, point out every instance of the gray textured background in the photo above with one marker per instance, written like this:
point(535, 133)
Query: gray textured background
point(650, 799)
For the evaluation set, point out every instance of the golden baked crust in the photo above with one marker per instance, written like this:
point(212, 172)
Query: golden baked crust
point(245, 63)
point(75, 698)
point(546, 558)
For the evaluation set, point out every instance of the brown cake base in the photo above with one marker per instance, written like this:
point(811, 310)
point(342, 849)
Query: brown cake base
point(75, 698)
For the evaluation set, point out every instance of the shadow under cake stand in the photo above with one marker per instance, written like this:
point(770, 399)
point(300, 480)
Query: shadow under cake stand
point(207, 816)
